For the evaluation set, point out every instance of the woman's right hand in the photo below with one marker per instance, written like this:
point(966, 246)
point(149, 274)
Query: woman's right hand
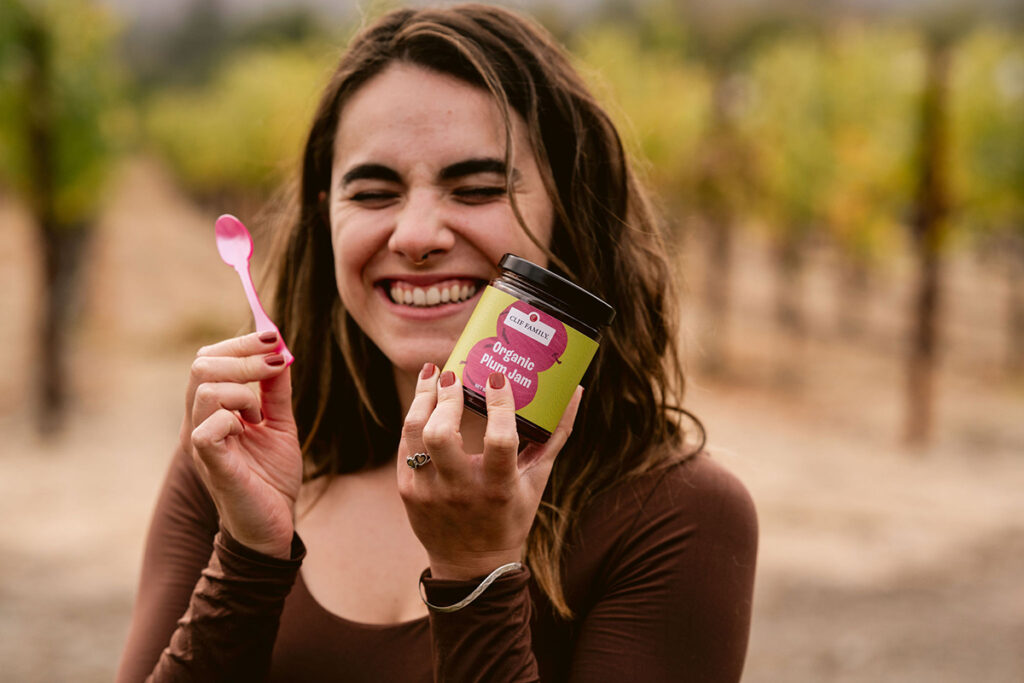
point(244, 442)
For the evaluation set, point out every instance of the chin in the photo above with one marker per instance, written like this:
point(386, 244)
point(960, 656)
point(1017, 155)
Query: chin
point(411, 360)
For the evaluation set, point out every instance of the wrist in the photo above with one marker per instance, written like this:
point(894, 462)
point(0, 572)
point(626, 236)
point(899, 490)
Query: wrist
point(485, 583)
point(274, 550)
point(278, 549)
point(474, 566)
point(296, 552)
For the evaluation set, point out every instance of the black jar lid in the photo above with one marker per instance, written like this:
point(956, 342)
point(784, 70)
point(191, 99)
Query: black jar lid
point(585, 306)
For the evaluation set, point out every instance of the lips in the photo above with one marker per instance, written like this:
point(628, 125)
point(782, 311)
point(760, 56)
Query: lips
point(423, 295)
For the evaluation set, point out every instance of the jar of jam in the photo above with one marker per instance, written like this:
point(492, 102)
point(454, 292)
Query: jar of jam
point(540, 331)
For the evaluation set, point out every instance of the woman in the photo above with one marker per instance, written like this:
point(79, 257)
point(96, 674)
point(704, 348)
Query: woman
point(445, 139)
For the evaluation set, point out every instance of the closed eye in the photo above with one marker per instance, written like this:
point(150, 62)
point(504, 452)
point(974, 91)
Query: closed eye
point(374, 198)
point(480, 194)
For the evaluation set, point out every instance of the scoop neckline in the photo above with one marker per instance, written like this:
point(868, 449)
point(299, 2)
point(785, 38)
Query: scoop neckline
point(368, 626)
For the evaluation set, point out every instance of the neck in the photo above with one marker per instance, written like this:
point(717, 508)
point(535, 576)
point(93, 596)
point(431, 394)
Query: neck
point(405, 386)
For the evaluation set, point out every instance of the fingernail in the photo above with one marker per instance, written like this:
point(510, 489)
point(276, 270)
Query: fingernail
point(447, 378)
point(274, 360)
point(268, 337)
point(496, 380)
point(428, 371)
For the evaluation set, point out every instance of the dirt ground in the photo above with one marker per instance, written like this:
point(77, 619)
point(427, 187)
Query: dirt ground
point(876, 563)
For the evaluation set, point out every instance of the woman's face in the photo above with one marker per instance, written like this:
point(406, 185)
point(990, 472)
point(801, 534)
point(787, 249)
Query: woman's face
point(418, 208)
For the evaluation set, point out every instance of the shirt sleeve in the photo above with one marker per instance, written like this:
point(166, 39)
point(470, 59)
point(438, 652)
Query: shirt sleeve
point(201, 595)
point(675, 602)
point(229, 629)
point(489, 639)
point(671, 600)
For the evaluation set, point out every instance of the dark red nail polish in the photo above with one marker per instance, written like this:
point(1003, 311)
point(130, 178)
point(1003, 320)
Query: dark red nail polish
point(447, 378)
point(268, 337)
point(274, 360)
point(496, 380)
point(428, 371)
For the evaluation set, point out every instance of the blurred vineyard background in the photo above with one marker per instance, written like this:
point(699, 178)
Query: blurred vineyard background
point(843, 183)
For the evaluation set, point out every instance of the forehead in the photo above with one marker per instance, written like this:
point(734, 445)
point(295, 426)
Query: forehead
point(408, 108)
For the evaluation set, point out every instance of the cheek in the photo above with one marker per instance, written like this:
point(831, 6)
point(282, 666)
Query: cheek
point(351, 255)
point(497, 232)
point(355, 238)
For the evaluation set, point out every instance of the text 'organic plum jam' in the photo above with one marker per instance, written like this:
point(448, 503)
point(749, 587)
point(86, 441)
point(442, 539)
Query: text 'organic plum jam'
point(540, 331)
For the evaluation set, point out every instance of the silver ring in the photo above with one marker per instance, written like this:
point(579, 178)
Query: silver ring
point(417, 460)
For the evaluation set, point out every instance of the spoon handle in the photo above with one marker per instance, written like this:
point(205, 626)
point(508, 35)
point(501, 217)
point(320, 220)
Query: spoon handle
point(263, 321)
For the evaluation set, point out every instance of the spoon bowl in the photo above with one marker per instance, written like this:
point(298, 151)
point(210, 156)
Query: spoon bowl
point(234, 243)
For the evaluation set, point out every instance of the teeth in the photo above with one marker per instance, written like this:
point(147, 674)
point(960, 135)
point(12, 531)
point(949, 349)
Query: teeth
point(431, 296)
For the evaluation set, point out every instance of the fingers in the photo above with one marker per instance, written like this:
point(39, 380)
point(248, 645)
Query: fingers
point(501, 441)
point(240, 360)
point(208, 439)
point(236, 369)
point(276, 393)
point(423, 402)
point(564, 428)
point(212, 396)
point(246, 345)
point(433, 425)
point(442, 434)
point(536, 460)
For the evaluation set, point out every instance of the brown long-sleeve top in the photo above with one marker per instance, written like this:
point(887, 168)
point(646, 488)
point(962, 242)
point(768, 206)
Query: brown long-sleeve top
point(659, 578)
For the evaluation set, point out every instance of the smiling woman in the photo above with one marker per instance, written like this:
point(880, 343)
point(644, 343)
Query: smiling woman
point(420, 201)
point(300, 522)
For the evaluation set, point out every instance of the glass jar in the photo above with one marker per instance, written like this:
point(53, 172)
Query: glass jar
point(537, 329)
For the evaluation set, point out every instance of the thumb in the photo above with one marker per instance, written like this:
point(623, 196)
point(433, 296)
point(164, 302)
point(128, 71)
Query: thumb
point(276, 396)
point(536, 460)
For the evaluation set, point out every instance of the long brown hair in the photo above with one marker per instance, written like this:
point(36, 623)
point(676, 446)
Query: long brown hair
point(606, 238)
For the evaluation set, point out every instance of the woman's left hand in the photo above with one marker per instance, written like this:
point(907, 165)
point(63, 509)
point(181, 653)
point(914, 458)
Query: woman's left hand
point(472, 511)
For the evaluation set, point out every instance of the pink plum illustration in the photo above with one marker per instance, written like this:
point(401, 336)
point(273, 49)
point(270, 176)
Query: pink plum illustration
point(543, 355)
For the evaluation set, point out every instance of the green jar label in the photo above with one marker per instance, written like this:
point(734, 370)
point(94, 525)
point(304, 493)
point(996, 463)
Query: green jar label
point(543, 358)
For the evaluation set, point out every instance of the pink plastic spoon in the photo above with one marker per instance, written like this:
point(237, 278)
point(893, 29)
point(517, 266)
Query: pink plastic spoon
point(235, 246)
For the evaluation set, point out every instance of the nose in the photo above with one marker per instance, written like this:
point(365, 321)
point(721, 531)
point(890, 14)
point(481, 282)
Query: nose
point(420, 230)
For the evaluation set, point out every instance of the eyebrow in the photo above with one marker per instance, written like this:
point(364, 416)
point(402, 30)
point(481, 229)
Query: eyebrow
point(370, 172)
point(474, 166)
point(459, 169)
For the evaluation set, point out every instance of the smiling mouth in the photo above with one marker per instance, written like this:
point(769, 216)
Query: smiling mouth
point(437, 294)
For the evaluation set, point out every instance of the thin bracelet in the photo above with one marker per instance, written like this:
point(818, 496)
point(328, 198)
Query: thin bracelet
point(491, 578)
